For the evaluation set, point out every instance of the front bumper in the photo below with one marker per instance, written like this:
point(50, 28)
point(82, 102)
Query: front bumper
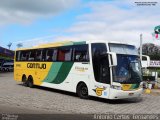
point(120, 94)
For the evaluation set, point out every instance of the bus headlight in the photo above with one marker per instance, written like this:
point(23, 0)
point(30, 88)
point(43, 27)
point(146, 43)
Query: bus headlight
point(116, 87)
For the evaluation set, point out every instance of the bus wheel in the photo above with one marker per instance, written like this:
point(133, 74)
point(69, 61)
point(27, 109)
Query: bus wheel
point(82, 91)
point(24, 80)
point(30, 82)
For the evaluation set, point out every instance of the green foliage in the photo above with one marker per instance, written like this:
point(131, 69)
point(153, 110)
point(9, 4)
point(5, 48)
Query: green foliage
point(152, 50)
point(154, 57)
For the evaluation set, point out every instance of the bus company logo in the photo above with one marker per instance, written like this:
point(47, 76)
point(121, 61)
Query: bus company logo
point(99, 91)
point(81, 69)
point(36, 65)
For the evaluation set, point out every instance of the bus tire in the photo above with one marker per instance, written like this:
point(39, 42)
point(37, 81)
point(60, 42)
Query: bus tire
point(30, 82)
point(24, 81)
point(82, 91)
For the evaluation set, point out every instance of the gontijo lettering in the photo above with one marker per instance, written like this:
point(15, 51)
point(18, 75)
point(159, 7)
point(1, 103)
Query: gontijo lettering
point(36, 65)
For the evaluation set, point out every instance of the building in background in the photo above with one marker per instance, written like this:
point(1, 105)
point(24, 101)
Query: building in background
point(6, 55)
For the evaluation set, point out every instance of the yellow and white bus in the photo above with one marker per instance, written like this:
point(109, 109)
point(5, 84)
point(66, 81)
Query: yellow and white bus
point(103, 69)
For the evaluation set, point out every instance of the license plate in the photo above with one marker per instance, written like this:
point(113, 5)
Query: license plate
point(131, 94)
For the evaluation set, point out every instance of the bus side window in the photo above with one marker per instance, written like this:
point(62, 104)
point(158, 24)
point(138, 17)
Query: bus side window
point(27, 55)
point(18, 55)
point(65, 53)
point(49, 55)
point(54, 57)
point(32, 55)
point(23, 56)
point(39, 55)
point(44, 54)
point(81, 53)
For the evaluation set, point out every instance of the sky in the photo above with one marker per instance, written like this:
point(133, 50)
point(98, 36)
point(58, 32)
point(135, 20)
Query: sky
point(34, 22)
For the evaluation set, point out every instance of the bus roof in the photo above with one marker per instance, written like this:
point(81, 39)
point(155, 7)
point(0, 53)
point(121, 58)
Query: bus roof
point(55, 44)
point(66, 43)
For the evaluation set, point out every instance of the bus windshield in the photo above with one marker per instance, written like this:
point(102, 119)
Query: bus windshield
point(128, 69)
point(123, 49)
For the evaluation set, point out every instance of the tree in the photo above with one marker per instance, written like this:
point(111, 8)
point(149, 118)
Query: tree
point(19, 45)
point(151, 50)
point(9, 45)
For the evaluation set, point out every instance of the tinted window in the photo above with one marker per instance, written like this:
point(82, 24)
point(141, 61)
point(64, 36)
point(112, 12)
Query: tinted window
point(24, 55)
point(51, 54)
point(18, 53)
point(77, 53)
point(39, 54)
point(32, 55)
point(100, 63)
point(65, 53)
point(81, 53)
point(54, 57)
point(98, 49)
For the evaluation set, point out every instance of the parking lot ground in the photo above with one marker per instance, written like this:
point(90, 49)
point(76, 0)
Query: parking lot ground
point(15, 98)
point(155, 91)
point(8, 109)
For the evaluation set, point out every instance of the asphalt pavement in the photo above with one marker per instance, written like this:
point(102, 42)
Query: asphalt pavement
point(18, 99)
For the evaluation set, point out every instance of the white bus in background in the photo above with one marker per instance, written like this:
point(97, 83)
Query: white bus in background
point(7, 67)
point(103, 69)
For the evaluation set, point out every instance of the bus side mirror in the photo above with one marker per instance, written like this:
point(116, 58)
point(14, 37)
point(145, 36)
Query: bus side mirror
point(113, 58)
point(145, 63)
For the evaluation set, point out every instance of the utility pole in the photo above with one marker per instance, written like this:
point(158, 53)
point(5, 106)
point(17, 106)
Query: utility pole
point(141, 47)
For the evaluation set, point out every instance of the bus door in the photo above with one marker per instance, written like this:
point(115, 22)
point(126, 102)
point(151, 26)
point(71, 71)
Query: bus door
point(101, 69)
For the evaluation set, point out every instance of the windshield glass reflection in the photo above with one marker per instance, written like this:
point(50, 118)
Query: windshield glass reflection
point(128, 69)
